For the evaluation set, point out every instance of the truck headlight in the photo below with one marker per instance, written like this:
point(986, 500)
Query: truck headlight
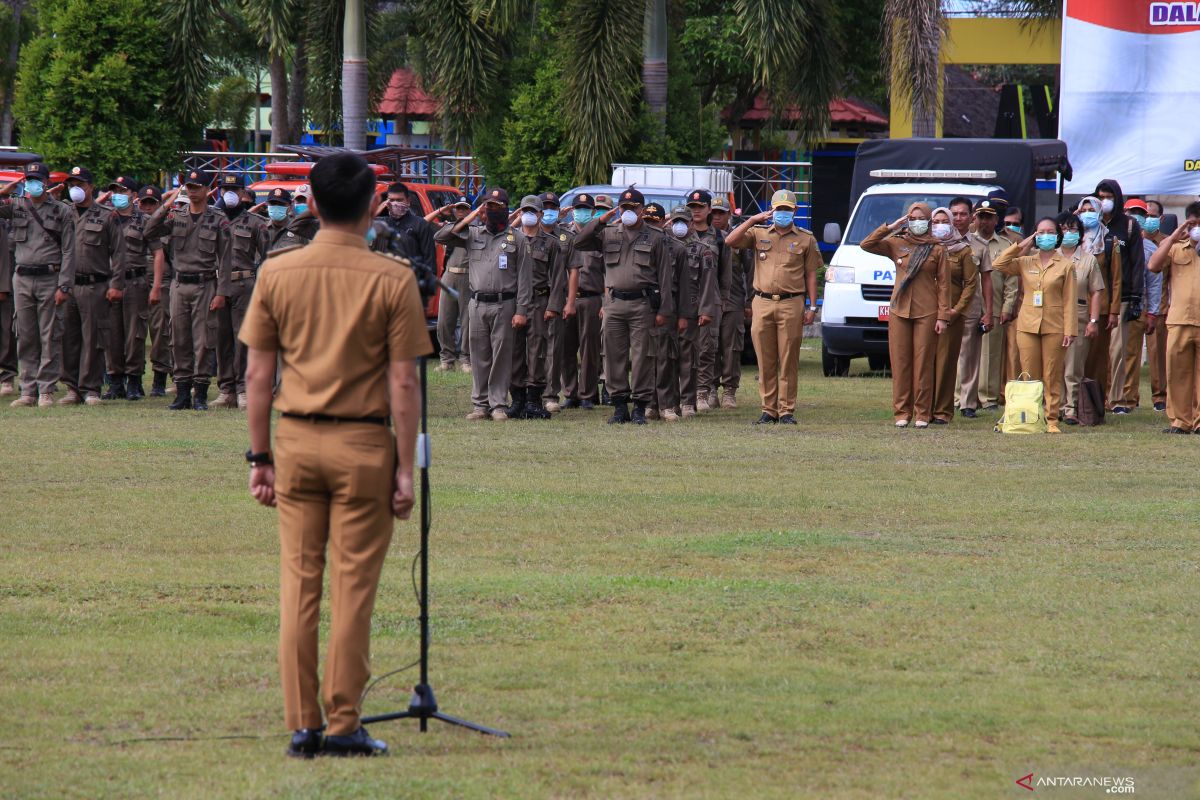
point(839, 275)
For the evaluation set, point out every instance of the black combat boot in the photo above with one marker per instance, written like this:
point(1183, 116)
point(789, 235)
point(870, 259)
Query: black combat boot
point(116, 388)
point(200, 401)
point(133, 387)
point(517, 409)
point(639, 413)
point(620, 413)
point(605, 397)
point(159, 387)
point(183, 396)
point(533, 404)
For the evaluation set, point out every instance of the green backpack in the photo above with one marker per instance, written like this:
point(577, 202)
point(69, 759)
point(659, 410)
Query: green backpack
point(1024, 407)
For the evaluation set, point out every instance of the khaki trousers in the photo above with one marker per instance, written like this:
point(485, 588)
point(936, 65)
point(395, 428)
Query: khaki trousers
point(732, 341)
point(966, 385)
point(231, 353)
point(1183, 376)
point(627, 347)
point(912, 347)
point(1042, 357)
point(530, 345)
point(39, 332)
point(776, 328)
point(666, 365)
point(1074, 365)
point(8, 338)
point(991, 365)
point(491, 353)
point(554, 359)
point(453, 313)
point(581, 350)
point(689, 362)
point(128, 323)
point(193, 330)
point(1118, 340)
point(708, 341)
point(945, 368)
point(160, 332)
point(1156, 347)
point(85, 329)
point(1132, 391)
point(334, 485)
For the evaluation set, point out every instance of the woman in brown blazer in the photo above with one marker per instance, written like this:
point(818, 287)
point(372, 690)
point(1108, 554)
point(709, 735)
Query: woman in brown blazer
point(964, 279)
point(919, 309)
point(1047, 323)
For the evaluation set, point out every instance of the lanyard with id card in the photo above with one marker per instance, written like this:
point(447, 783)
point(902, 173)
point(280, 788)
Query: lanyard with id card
point(504, 261)
point(1037, 299)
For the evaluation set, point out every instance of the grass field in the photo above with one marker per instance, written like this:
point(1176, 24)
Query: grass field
point(841, 610)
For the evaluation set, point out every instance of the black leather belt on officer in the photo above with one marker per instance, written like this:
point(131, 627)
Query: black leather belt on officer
point(242, 274)
point(585, 293)
point(328, 418)
point(34, 270)
point(650, 294)
point(195, 277)
point(91, 278)
point(140, 272)
point(777, 295)
point(495, 297)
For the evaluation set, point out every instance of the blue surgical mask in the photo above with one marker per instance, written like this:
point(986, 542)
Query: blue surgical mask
point(120, 201)
point(582, 216)
point(1014, 228)
point(370, 236)
point(599, 212)
point(1071, 239)
point(1150, 224)
point(301, 208)
point(1090, 219)
point(277, 213)
point(783, 218)
point(35, 188)
point(550, 216)
point(1046, 241)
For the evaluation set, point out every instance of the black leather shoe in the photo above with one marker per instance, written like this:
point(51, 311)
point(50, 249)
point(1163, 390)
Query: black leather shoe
point(133, 387)
point(1122, 410)
point(936, 421)
point(358, 743)
point(569, 403)
point(765, 419)
point(159, 387)
point(1173, 429)
point(639, 414)
point(969, 413)
point(183, 396)
point(200, 397)
point(587, 405)
point(306, 743)
point(787, 419)
point(116, 388)
point(993, 407)
point(1071, 421)
point(1160, 406)
point(620, 414)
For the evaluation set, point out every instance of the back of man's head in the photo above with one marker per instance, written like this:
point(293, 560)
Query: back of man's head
point(343, 186)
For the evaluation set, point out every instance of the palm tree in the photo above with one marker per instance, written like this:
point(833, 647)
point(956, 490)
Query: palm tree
point(354, 76)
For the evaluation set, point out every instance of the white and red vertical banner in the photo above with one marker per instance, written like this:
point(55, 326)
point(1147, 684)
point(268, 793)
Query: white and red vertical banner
point(1130, 94)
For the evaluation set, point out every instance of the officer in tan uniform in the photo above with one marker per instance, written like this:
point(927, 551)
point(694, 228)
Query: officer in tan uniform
point(1004, 294)
point(697, 307)
point(581, 314)
point(964, 281)
point(126, 353)
point(1178, 259)
point(149, 200)
point(43, 234)
point(501, 296)
point(452, 311)
point(978, 316)
point(250, 241)
point(531, 343)
point(200, 245)
point(708, 338)
point(735, 309)
point(100, 259)
point(785, 274)
point(347, 325)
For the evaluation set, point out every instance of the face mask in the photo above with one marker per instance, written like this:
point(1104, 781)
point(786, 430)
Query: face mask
point(599, 212)
point(1194, 234)
point(1090, 219)
point(629, 217)
point(1150, 225)
point(301, 208)
point(920, 227)
point(941, 230)
point(1046, 241)
point(582, 216)
point(1106, 206)
point(529, 219)
point(120, 201)
point(679, 228)
point(550, 216)
point(783, 218)
point(397, 208)
point(1070, 239)
point(277, 213)
point(370, 232)
point(1014, 228)
point(35, 188)
point(497, 219)
point(77, 194)
point(231, 200)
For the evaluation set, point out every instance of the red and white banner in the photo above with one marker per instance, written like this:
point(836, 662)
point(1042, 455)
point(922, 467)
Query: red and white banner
point(1130, 99)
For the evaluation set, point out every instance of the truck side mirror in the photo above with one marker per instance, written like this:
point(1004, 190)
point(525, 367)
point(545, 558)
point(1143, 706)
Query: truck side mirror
point(833, 233)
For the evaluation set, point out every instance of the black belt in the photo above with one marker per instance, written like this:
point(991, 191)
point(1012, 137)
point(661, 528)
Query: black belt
point(195, 277)
point(34, 270)
point(328, 418)
point(778, 295)
point(88, 280)
point(495, 297)
point(141, 272)
point(585, 293)
point(242, 274)
point(1083, 303)
point(640, 294)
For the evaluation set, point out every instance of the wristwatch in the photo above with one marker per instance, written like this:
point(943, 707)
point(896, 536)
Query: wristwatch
point(262, 459)
point(65, 288)
point(1092, 321)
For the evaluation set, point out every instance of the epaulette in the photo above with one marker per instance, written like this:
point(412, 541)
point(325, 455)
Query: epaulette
point(394, 257)
point(283, 250)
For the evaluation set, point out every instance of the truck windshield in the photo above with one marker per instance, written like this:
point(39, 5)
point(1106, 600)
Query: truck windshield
point(884, 209)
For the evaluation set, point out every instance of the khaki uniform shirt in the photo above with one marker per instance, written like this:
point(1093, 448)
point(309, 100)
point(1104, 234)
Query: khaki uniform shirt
point(928, 293)
point(964, 275)
point(250, 241)
point(699, 294)
point(1056, 282)
point(589, 264)
point(199, 242)
point(1005, 288)
point(1087, 276)
point(139, 249)
point(730, 283)
point(51, 242)
point(1183, 276)
point(283, 235)
point(782, 260)
point(635, 259)
point(496, 262)
point(100, 245)
point(338, 314)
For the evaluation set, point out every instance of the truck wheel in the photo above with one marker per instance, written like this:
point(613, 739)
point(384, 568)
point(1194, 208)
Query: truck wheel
point(879, 363)
point(834, 366)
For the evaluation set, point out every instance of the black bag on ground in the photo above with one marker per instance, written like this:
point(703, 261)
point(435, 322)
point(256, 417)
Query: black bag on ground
point(1091, 403)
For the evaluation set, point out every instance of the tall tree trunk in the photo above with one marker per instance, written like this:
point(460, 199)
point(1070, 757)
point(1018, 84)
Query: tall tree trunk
point(296, 92)
point(354, 76)
point(279, 101)
point(14, 51)
point(654, 62)
point(924, 122)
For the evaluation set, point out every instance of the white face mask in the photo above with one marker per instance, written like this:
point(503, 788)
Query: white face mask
point(529, 219)
point(77, 194)
point(231, 199)
point(629, 217)
point(1194, 234)
point(679, 228)
point(1106, 206)
point(919, 226)
point(941, 230)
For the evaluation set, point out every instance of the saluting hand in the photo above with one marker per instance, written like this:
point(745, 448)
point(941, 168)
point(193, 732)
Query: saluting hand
point(900, 223)
point(1027, 243)
point(10, 187)
point(56, 191)
point(262, 485)
point(762, 216)
point(402, 495)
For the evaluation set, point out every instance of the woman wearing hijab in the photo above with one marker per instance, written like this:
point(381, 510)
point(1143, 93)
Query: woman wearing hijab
point(1047, 322)
point(920, 306)
point(1089, 299)
point(1106, 249)
point(964, 278)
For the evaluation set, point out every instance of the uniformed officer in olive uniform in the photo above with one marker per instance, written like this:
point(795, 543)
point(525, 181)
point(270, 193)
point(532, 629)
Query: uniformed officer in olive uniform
point(8, 339)
point(149, 199)
point(281, 232)
point(43, 233)
point(556, 226)
point(708, 338)
point(701, 302)
point(452, 311)
point(126, 354)
point(100, 260)
point(531, 343)
point(664, 339)
point(250, 241)
point(200, 244)
point(637, 266)
point(785, 275)
point(735, 310)
point(501, 295)
point(581, 314)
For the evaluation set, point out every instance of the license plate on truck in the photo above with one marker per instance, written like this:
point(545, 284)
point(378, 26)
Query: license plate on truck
point(884, 313)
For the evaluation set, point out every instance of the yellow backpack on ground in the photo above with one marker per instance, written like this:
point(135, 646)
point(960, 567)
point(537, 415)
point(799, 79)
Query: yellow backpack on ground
point(1024, 407)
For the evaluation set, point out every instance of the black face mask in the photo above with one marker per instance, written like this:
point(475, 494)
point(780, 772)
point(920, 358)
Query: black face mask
point(496, 219)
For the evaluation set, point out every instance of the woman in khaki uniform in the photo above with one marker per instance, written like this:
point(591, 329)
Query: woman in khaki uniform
point(1106, 248)
point(964, 279)
point(1047, 323)
point(1089, 295)
point(920, 306)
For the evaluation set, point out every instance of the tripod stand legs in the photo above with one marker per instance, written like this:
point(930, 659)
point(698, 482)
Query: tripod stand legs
point(423, 707)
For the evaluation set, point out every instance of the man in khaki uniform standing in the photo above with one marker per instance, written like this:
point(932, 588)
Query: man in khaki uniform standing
point(708, 338)
point(699, 300)
point(501, 295)
point(250, 241)
point(200, 244)
point(735, 309)
point(1005, 289)
point(1178, 259)
point(531, 343)
point(785, 274)
point(149, 199)
point(581, 315)
point(978, 317)
point(8, 339)
point(452, 311)
point(99, 281)
point(347, 325)
point(126, 354)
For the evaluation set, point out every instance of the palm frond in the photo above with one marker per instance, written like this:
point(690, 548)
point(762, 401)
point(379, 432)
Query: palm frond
point(274, 23)
point(913, 34)
point(190, 23)
point(323, 39)
point(460, 63)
